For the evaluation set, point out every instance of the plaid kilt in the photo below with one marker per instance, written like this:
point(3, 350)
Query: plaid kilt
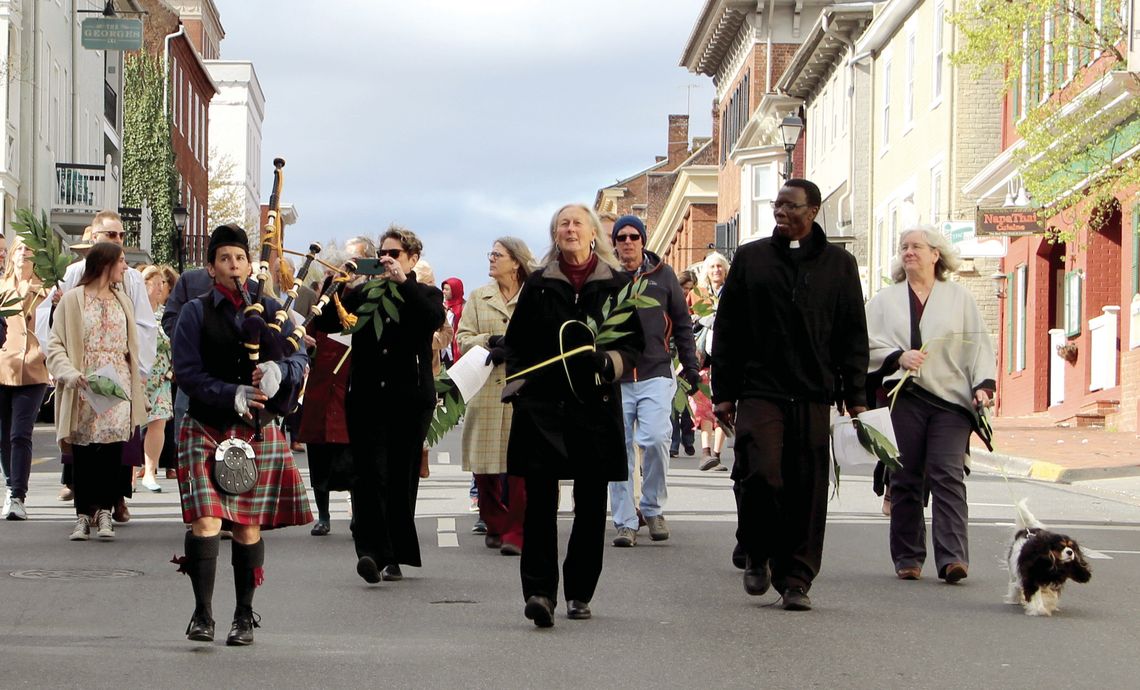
point(278, 500)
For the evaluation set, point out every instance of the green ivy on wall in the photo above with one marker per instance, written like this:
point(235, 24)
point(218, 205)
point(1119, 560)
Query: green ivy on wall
point(148, 156)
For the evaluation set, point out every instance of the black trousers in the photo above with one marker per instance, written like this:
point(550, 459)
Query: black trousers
point(386, 452)
point(683, 431)
point(781, 471)
point(97, 475)
point(932, 446)
point(583, 565)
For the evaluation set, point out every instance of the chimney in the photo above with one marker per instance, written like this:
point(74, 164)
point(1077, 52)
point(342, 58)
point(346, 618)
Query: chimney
point(678, 139)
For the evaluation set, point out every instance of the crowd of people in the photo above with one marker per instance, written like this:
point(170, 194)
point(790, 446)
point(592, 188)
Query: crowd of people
point(587, 348)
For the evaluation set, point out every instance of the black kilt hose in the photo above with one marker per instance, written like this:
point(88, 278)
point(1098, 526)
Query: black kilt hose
point(209, 361)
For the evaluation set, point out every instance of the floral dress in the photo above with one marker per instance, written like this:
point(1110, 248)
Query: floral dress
point(104, 342)
point(158, 381)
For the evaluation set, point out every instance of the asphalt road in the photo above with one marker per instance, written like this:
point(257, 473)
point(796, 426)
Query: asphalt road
point(670, 614)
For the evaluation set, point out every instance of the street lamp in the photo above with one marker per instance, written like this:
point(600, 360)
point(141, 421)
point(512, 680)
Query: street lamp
point(999, 280)
point(180, 217)
point(790, 129)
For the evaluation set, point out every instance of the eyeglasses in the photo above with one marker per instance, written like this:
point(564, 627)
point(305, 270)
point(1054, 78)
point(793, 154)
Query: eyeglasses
point(627, 238)
point(776, 205)
point(113, 234)
point(495, 256)
point(390, 253)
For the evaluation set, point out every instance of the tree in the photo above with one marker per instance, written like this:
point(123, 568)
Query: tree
point(148, 156)
point(1053, 52)
point(226, 200)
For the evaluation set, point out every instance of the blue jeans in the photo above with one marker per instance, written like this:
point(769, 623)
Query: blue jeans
point(646, 407)
point(19, 407)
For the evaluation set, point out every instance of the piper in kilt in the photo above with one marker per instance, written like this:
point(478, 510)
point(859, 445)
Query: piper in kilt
point(212, 366)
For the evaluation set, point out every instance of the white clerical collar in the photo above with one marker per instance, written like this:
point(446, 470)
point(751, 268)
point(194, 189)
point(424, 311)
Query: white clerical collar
point(794, 244)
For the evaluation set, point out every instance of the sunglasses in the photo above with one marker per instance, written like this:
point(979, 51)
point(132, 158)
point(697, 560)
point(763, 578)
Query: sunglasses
point(627, 238)
point(112, 234)
point(390, 253)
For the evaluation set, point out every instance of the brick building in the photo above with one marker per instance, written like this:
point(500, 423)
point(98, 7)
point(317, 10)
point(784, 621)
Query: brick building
point(1070, 326)
point(188, 96)
point(745, 46)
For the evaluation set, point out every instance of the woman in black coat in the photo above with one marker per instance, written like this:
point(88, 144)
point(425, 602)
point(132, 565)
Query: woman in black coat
point(567, 416)
point(389, 403)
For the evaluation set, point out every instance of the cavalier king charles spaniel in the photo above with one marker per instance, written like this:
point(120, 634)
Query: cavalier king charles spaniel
point(1040, 562)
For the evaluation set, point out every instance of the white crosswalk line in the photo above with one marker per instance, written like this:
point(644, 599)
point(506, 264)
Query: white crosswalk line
point(1093, 553)
point(443, 457)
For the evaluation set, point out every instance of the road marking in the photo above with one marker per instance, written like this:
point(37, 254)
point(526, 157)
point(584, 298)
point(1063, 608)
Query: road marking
point(443, 457)
point(445, 533)
point(1131, 553)
point(1093, 553)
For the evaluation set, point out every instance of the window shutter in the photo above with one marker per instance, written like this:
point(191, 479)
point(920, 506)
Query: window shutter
point(1136, 249)
point(1010, 326)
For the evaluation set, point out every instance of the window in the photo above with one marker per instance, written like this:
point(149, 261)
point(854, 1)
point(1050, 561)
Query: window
point(936, 194)
point(765, 185)
point(734, 117)
point(886, 104)
point(1136, 249)
point(1021, 302)
point(1073, 305)
point(939, 53)
point(908, 90)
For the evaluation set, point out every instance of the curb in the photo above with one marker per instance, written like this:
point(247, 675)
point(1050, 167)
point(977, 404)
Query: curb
point(1027, 468)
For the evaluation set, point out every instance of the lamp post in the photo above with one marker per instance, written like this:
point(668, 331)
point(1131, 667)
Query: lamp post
point(180, 217)
point(790, 129)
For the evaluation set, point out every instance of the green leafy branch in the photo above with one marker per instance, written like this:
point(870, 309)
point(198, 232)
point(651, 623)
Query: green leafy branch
point(680, 398)
point(380, 297)
point(101, 385)
point(49, 262)
point(448, 412)
point(616, 311)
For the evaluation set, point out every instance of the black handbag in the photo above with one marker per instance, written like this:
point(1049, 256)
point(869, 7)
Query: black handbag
point(235, 467)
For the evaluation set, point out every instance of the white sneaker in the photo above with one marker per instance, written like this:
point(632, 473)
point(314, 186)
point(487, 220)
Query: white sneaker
point(103, 525)
point(7, 510)
point(14, 509)
point(151, 484)
point(82, 531)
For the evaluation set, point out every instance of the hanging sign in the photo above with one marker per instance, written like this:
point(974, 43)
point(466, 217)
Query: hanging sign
point(107, 33)
point(1010, 222)
point(962, 235)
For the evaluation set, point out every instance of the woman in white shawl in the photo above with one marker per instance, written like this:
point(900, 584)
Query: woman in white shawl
point(931, 328)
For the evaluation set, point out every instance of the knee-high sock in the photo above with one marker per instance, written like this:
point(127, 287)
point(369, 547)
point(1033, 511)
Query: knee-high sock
point(201, 564)
point(247, 560)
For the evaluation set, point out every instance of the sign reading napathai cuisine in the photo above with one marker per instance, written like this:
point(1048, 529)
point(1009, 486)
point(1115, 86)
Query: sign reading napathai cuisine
point(1009, 222)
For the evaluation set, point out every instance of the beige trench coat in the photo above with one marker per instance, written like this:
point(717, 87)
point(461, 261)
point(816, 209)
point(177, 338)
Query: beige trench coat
point(487, 423)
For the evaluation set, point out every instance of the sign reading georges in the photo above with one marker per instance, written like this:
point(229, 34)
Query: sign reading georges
point(103, 33)
point(1010, 222)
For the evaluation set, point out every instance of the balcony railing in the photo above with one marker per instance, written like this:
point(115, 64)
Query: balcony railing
point(80, 187)
point(111, 105)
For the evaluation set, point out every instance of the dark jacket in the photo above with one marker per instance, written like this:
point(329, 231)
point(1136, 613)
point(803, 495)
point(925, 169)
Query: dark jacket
point(564, 423)
point(660, 324)
point(791, 326)
point(210, 361)
point(190, 284)
point(392, 373)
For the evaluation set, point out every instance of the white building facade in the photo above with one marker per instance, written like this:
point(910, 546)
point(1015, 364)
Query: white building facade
point(236, 116)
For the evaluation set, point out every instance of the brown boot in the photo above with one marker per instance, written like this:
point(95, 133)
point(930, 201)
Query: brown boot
point(708, 460)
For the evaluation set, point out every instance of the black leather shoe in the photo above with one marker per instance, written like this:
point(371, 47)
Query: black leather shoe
point(739, 558)
point(391, 573)
point(509, 549)
point(366, 568)
point(241, 633)
point(201, 629)
point(757, 580)
point(796, 599)
point(493, 541)
point(578, 610)
point(541, 611)
point(320, 529)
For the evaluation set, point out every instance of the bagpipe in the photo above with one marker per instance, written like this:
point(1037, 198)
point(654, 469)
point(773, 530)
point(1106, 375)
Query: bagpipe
point(265, 339)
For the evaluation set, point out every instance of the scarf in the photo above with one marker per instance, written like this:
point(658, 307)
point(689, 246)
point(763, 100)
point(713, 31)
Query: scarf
point(577, 274)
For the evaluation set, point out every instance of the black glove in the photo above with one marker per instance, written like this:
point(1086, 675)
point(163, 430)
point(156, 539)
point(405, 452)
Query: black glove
point(494, 341)
point(693, 379)
point(603, 364)
point(496, 353)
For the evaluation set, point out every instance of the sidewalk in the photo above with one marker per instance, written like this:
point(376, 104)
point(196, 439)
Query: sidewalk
point(1032, 447)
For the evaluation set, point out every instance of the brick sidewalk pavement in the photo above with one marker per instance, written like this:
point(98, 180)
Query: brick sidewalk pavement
point(1032, 447)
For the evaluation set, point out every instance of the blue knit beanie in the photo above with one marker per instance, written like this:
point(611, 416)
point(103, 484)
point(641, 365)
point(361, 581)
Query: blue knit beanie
point(632, 221)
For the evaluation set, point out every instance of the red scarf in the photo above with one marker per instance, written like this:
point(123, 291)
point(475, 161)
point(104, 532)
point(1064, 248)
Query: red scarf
point(578, 273)
point(231, 294)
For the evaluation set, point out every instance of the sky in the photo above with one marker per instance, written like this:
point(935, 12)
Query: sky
point(463, 121)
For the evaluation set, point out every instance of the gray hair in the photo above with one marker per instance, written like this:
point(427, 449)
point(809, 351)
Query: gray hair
point(603, 245)
point(520, 253)
point(948, 257)
point(710, 260)
point(368, 247)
